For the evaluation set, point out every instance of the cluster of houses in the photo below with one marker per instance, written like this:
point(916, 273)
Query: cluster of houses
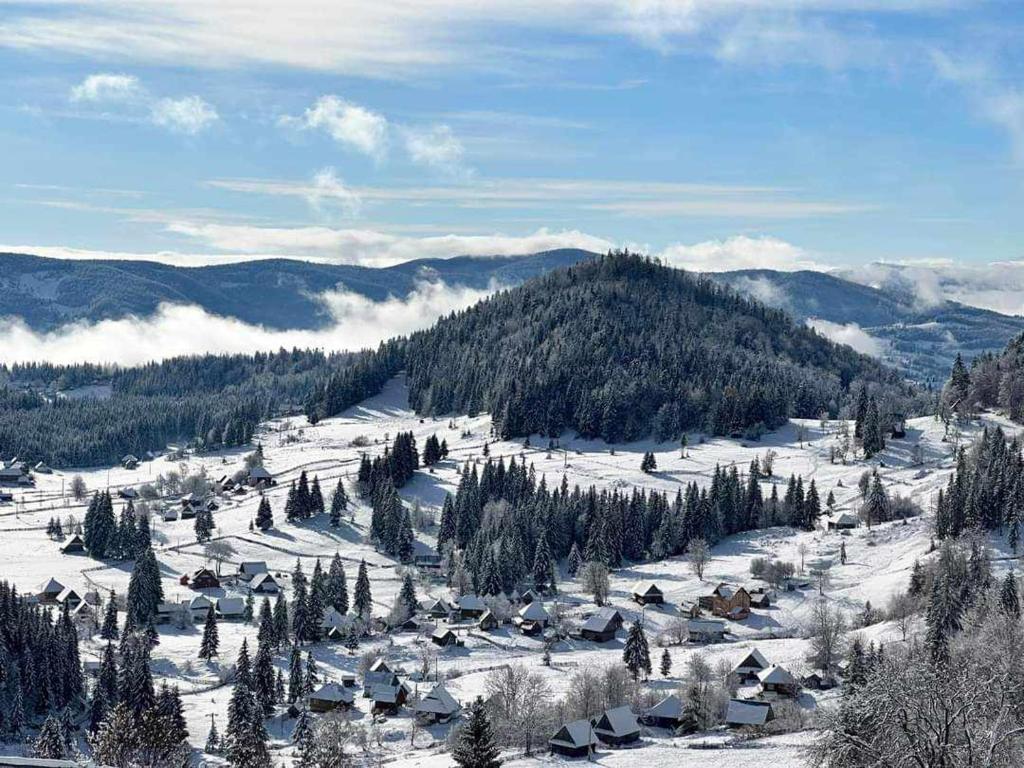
point(18, 473)
point(386, 693)
point(83, 606)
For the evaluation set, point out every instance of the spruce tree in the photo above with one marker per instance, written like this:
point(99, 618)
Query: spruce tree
point(311, 678)
point(339, 503)
point(203, 525)
point(50, 743)
point(337, 586)
point(109, 629)
point(362, 602)
point(636, 654)
point(263, 679)
point(575, 561)
point(475, 747)
point(294, 675)
point(1009, 602)
point(543, 567)
point(316, 498)
point(210, 642)
point(264, 515)
point(282, 624)
point(212, 740)
point(666, 663)
point(407, 595)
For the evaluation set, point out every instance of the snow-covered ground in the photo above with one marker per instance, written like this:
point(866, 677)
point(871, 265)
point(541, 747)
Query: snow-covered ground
point(878, 564)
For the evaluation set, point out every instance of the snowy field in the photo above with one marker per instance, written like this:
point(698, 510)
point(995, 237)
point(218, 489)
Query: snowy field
point(878, 564)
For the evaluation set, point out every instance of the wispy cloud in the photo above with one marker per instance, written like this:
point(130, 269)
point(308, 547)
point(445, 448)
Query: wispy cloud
point(351, 125)
point(850, 334)
point(188, 115)
point(740, 252)
point(435, 147)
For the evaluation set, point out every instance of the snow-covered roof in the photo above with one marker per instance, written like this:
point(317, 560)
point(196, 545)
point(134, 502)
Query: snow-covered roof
point(333, 692)
point(744, 712)
point(669, 707)
point(619, 722)
point(846, 519)
point(754, 660)
point(470, 603)
point(438, 702)
point(705, 625)
point(231, 606)
point(200, 602)
point(440, 604)
point(599, 623)
point(386, 694)
point(379, 665)
point(51, 586)
point(68, 594)
point(442, 632)
point(534, 612)
point(260, 579)
point(646, 588)
point(380, 678)
point(253, 567)
point(776, 675)
point(332, 618)
point(259, 473)
point(575, 734)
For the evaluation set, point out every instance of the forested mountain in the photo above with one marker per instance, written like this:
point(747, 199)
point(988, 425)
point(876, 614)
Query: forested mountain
point(919, 340)
point(993, 381)
point(275, 293)
point(621, 347)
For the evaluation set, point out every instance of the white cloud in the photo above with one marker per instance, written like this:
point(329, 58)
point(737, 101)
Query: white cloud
point(190, 114)
point(850, 334)
point(740, 252)
point(349, 124)
point(436, 147)
point(189, 330)
point(107, 87)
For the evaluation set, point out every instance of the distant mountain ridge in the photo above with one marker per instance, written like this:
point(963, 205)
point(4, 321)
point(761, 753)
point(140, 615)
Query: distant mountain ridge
point(279, 294)
point(920, 340)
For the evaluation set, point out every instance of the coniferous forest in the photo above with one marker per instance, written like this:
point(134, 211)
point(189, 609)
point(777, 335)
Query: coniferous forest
point(621, 348)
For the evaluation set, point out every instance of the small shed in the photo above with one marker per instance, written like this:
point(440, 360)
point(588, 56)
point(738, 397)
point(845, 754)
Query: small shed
point(330, 696)
point(73, 546)
point(204, 578)
point(532, 619)
point(130, 462)
point(574, 739)
point(230, 608)
point(470, 607)
point(599, 628)
point(387, 698)
point(49, 590)
point(748, 713)
point(648, 593)
point(617, 726)
point(260, 477)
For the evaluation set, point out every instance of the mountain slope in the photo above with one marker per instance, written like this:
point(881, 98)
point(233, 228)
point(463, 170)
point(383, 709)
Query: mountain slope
point(621, 347)
point(276, 293)
point(921, 341)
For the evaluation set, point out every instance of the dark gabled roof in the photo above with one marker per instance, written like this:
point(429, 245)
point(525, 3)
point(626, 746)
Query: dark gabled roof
point(576, 734)
point(599, 623)
point(646, 588)
point(618, 722)
point(670, 708)
point(438, 702)
point(748, 712)
point(333, 692)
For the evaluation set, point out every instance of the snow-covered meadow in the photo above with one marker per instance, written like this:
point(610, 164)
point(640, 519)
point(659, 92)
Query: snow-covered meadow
point(878, 560)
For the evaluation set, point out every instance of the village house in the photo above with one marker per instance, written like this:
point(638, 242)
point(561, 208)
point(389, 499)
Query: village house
point(778, 680)
point(532, 619)
point(15, 475)
point(129, 462)
point(574, 739)
point(199, 606)
point(6, 497)
point(330, 696)
point(750, 667)
point(845, 522)
point(488, 622)
point(742, 713)
point(528, 597)
point(601, 626)
point(252, 568)
point(264, 584)
point(648, 593)
point(443, 637)
point(705, 630)
point(438, 706)
point(49, 590)
point(667, 713)
point(230, 608)
point(470, 607)
point(201, 578)
point(260, 478)
point(617, 727)
point(128, 494)
point(727, 601)
point(69, 597)
point(428, 561)
point(438, 609)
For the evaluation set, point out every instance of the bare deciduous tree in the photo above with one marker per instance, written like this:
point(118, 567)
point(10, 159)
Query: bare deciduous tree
point(827, 633)
point(699, 555)
point(593, 578)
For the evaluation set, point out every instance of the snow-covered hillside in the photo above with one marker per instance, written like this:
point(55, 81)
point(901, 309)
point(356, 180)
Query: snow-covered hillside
point(878, 560)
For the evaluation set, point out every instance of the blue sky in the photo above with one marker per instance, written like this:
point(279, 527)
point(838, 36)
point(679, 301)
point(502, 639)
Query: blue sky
point(717, 133)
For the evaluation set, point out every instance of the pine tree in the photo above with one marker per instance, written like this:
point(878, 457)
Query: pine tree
point(263, 679)
point(337, 586)
point(294, 675)
point(267, 632)
point(575, 561)
point(475, 747)
point(666, 663)
point(302, 735)
point(145, 591)
point(116, 740)
point(212, 740)
point(203, 524)
point(339, 503)
point(316, 498)
point(210, 642)
point(246, 736)
point(636, 654)
point(50, 743)
point(264, 515)
point(917, 579)
point(282, 624)
point(109, 629)
point(407, 595)
point(311, 678)
point(1009, 602)
point(292, 510)
point(362, 602)
point(543, 566)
